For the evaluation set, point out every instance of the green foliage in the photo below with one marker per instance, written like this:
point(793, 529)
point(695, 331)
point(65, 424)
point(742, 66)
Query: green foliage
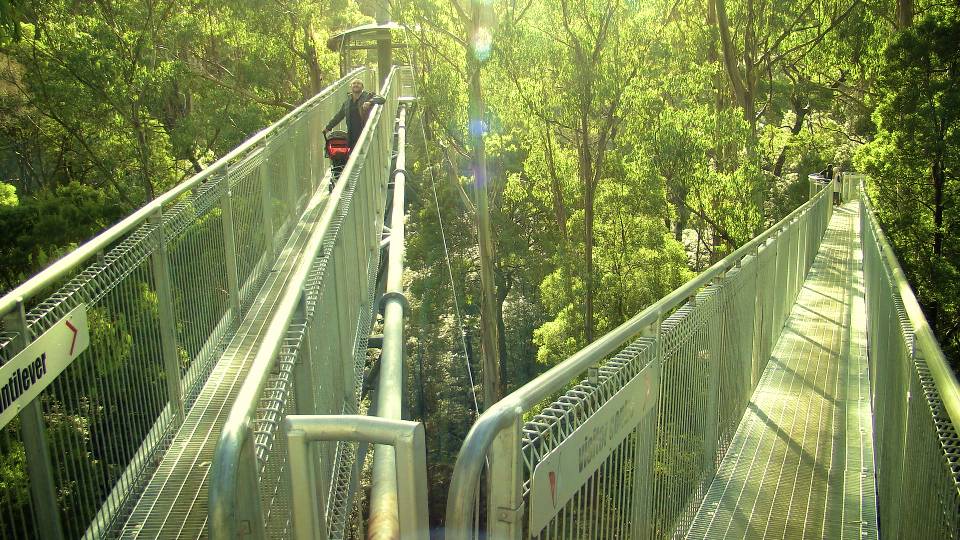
point(914, 160)
point(41, 229)
point(8, 195)
point(14, 486)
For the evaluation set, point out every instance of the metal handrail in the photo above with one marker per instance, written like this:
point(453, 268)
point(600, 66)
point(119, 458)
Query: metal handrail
point(924, 339)
point(465, 482)
point(102, 241)
point(406, 439)
point(226, 467)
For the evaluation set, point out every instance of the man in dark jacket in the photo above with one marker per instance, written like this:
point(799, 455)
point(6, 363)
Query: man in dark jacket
point(355, 109)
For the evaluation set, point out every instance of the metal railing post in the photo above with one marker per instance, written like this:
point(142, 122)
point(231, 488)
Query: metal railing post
point(266, 192)
point(230, 246)
point(293, 187)
point(160, 261)
point(302, 370)
point(250, 523)
point(504, 484)
point(715, 343)
point(33, 434)
point(644, 475)
point(309, 509)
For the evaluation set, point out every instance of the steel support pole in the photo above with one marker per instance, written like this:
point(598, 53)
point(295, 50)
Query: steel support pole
point(505, 503)
point(293, 186)
point(716, 340)
point(266, 192)
point(230, 247)
point(303, 388)
point(33, 434)
point(159, 260)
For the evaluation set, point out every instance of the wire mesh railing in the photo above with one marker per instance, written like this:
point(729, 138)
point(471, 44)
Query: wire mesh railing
point(162, 290)
point(311, 360)
point(915, 397)
point(627, 444)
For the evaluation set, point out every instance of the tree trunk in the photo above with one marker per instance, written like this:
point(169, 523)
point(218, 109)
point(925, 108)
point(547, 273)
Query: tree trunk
point(143, 153)
point(742, 90)
point(560, 214)
point(589, 188)
point(503, 289)
point(492, 391)
point(939, 182)
point(310, 56)
point(904, 14)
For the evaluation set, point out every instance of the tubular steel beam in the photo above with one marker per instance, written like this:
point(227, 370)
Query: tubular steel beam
point(384, 522)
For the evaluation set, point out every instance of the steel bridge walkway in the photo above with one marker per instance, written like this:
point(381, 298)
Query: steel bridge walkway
point(801, 464)
point(174, 502)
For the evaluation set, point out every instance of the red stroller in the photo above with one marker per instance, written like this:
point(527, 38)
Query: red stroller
point(337, 149)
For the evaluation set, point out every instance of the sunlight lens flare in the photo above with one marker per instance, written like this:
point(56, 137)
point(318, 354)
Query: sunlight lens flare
point(482, 43)
point(478, 127)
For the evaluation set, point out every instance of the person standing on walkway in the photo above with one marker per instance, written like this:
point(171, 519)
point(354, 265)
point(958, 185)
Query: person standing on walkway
point(355, 110)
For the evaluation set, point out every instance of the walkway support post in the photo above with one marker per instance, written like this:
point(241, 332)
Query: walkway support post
point(33, 432)
point(267, 201)
point(506, 471)
point(160, 263)
point(230, 245)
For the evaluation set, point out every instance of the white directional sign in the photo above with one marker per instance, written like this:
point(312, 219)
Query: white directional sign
point(558, 477)
point(35, 367)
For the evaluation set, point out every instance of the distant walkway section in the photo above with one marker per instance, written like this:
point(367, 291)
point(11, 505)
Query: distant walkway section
point(801, 464)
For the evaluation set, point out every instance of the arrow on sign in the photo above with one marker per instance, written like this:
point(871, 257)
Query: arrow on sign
point(74, 340)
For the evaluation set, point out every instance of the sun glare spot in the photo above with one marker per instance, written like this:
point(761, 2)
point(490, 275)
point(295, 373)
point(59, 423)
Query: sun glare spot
point(482, 44)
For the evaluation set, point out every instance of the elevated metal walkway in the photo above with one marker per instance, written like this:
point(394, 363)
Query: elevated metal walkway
point(801, 463)
point(174, 502)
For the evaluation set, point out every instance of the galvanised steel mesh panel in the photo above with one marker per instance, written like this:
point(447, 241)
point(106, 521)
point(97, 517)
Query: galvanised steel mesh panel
point(688, 410)
point(610, 503)
point(248, 225)
point(739, 295)
point(16, 518)
point(891, 346)
point(103, 415)
point(918, 449)
point(765, 328)
point(276, 168)
point(161, 293)
point(198, 275)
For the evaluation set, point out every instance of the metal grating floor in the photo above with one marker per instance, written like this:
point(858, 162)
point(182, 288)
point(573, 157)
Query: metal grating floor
point(801, 463)
point(174, 502)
